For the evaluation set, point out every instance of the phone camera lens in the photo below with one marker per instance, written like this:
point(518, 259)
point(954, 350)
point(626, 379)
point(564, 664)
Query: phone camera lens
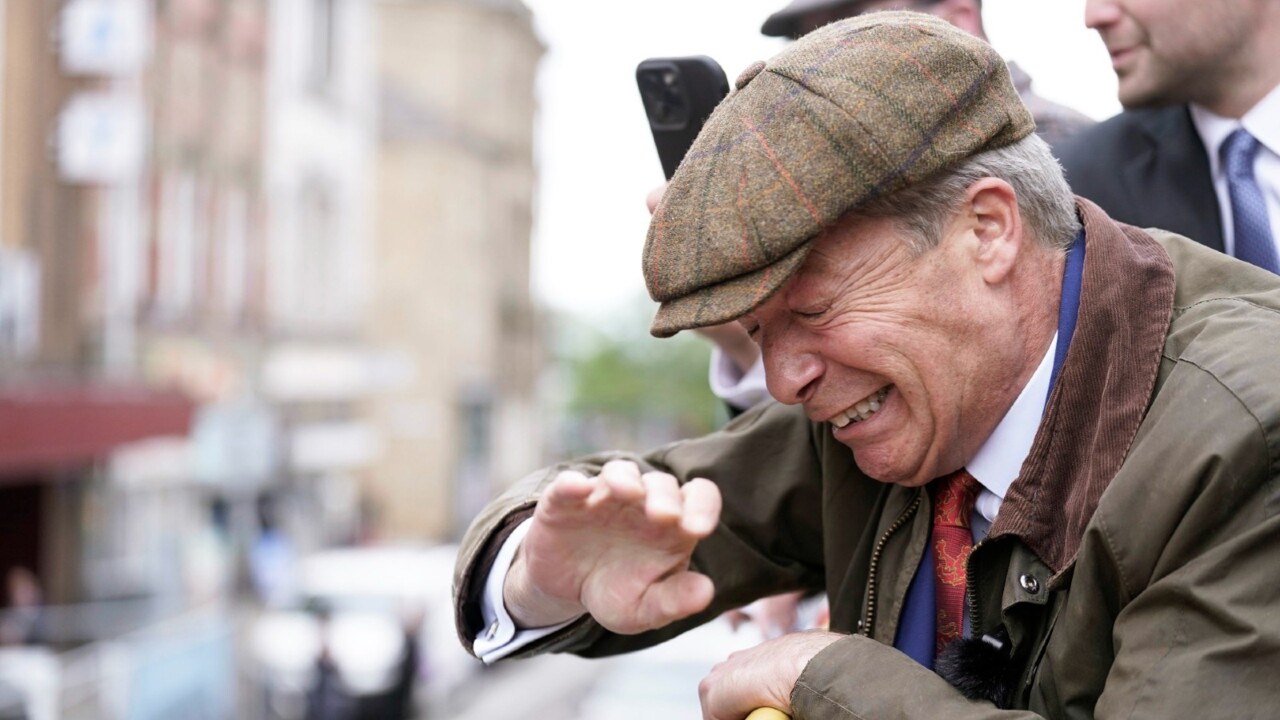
point(664, 97)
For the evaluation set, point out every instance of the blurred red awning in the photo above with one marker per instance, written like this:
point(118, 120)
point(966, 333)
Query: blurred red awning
point(45, 426)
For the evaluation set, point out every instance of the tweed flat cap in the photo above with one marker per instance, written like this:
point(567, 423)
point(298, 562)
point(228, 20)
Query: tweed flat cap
point(854, 110)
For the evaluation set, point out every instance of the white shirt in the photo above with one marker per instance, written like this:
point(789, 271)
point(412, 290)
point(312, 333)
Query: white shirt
point(999, 460)
point(1263, 122)
point(741, 390)
point(995, 466)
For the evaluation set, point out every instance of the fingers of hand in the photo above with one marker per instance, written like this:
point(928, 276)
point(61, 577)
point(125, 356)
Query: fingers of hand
point(663, 502)
point(701, 507)
point(621, 482)
point(656, 497)
point(571, 485)
point(730, 691)
point(567, 495)
point(762, 676)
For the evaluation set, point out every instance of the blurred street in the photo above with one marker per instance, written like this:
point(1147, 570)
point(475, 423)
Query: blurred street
point(267, 343)
point(661, 682)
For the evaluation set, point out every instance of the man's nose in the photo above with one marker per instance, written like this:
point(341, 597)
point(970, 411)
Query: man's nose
point(792, 376)
point(1100, 13)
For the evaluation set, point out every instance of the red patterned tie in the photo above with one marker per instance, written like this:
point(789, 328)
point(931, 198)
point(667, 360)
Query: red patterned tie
point(953, 498)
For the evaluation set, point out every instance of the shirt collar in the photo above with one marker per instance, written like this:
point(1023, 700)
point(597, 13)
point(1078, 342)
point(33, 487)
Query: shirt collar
point(1262, 121)
point(999, 459)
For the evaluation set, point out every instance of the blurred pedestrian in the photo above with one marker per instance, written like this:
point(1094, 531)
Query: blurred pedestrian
point(23, 621)
point(402, 691)
point(273, 558)
point(1197, 149)
point(329, 698)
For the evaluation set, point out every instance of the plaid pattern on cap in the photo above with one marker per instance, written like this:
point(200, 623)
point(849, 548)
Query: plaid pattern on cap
point(854, 110)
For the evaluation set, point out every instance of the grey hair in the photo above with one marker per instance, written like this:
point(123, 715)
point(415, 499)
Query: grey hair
point(1045, 201)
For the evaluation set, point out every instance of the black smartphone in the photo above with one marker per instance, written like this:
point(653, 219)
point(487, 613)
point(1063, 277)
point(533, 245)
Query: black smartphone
point(679, 94)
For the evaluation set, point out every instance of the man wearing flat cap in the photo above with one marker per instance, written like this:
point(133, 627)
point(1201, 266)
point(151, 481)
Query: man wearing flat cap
point(1030, 454)
point(737, 376)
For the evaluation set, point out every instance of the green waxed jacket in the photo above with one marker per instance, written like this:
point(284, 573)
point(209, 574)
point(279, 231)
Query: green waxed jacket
point(1135, 562)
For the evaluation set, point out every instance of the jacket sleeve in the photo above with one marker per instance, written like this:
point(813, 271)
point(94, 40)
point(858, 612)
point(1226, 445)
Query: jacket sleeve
point(769, 539)
point(857, 678)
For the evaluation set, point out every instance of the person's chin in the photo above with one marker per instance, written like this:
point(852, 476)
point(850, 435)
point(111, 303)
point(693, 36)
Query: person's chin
point(1137, 90)
point(885, 465)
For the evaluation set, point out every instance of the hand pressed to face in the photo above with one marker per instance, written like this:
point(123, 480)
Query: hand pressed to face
point(616, 546)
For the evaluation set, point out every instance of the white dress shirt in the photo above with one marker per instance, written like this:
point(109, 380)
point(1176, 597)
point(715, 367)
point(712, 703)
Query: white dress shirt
point(1263, 122)
point(994, 466)
point(741, 390)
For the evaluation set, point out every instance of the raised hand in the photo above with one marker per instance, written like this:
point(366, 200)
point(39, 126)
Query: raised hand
point(616, 546)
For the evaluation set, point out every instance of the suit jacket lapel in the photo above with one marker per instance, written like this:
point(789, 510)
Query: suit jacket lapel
point(1169, 178)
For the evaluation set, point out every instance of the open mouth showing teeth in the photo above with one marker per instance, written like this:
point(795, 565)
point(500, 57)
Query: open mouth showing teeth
point(862, 409)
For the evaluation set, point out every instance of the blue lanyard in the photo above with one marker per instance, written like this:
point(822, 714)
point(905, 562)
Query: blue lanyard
point(1069, 305)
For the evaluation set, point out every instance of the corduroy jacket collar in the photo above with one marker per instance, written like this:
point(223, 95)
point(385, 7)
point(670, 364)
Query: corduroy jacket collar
point(1126, 302)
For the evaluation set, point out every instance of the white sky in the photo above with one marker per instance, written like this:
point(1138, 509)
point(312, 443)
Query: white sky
point(595, 151)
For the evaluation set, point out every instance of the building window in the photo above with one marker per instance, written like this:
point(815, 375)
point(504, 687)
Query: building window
point(179, 255)
point(235, 253)
point(473, 485)
point(319, 266)
point(19, 303)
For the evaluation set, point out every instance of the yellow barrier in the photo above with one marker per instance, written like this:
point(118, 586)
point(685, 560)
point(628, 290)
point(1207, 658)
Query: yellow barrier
point(768, 713)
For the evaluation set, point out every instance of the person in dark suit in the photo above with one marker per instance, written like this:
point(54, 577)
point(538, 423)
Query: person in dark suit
point(1191, 74)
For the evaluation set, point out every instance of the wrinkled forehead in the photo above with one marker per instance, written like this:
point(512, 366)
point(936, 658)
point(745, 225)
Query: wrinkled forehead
point(848, 255)
point(830, 261)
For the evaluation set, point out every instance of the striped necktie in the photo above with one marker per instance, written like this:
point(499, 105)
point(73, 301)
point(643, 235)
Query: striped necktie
point(953, 499)
point(1252, 228)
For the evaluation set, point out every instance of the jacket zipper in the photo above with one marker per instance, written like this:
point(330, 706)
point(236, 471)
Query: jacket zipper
point(870, 601)
point(971, 597)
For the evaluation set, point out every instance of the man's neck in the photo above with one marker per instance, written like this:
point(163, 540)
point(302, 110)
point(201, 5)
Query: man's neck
point(1238, 101)
point(1041, 290)
point(1037, 291)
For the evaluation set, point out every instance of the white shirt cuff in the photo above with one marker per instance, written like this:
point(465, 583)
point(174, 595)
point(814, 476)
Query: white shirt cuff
point(500, 636)
point(739, 390)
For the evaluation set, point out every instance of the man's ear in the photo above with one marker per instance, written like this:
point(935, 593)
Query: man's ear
point(996, 224)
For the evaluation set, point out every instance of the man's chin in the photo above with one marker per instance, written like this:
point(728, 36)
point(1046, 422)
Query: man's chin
point(887, 472)
point(1136, 95)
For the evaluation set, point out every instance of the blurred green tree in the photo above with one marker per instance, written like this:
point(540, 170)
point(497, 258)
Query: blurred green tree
point(625, 389)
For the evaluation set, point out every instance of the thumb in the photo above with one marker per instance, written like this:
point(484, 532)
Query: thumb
point(674, 598)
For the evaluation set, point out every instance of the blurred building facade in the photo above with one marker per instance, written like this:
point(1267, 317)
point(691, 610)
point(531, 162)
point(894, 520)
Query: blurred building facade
point(455, 179)
point(251, 251)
